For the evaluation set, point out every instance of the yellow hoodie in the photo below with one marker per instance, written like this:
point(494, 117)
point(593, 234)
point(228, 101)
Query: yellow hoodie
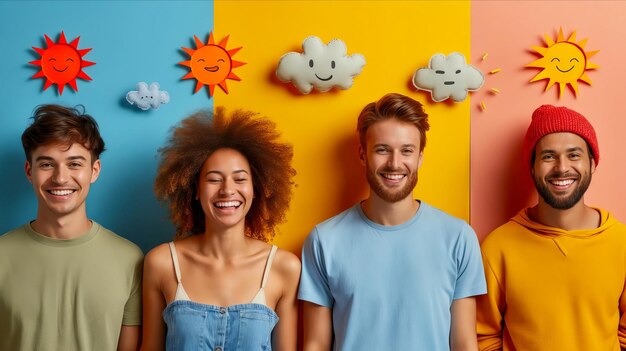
point(552, 289)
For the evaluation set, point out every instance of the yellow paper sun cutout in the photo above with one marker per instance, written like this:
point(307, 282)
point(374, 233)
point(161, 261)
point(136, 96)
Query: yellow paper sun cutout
point(211, 64)
point(563, 62)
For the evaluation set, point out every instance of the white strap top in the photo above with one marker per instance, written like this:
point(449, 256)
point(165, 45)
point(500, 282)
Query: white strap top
point(259, 298)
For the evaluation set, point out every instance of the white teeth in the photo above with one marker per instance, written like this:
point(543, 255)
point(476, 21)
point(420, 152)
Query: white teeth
point(223, 204)
point(61, 192)
point(562, 182)
point(393, 176)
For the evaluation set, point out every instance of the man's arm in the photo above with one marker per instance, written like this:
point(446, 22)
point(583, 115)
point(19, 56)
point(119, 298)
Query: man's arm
point(129, 338)
point(318, 327)
point(463, 325)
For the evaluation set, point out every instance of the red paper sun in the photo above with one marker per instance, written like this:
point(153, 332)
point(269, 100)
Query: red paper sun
point(61, 63)
point(211, 64)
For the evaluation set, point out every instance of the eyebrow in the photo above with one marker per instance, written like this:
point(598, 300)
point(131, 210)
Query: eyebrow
point(571, 149)
point(239, 171)
point(402, 146)
point(71, 158)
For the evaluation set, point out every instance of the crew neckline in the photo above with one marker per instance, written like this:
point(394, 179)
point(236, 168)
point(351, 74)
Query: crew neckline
point(46, 240)
point(401, 226)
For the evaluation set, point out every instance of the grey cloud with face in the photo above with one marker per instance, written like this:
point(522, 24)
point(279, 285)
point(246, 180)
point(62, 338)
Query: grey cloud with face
point(448, 77)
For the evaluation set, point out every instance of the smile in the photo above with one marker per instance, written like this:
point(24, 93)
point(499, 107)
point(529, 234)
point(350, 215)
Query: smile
point(63, 192)
point(212, 68)
point(324, 79)
point(562, 182)
point(227, 204)
point(562, 71)
point(393, 176)
point(60, 70)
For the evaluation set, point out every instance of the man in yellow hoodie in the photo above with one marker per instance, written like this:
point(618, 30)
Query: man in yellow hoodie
point(556, 271)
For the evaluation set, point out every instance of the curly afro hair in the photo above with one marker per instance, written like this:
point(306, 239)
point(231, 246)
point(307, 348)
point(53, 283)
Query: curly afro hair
point(201, 134)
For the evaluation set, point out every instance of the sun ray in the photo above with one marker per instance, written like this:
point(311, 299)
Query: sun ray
point(222, 85)
point(224, 41)
point(237, 63)
point(231, 52)
point(585, 78)
point(233, 76)
point(211, 64)
point(61, 63)
point(563, 61)
point(574, 86)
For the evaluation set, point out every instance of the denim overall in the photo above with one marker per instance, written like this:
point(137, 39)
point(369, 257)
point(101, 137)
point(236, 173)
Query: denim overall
point(193, 326)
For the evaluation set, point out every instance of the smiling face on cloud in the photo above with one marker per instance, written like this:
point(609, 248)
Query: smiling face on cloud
point(320, 66)
point(448, 77)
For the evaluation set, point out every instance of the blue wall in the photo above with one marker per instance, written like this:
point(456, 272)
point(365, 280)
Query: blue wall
point(131, 41)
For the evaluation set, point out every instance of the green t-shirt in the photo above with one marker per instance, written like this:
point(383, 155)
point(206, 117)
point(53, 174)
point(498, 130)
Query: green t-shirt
point(67, 294)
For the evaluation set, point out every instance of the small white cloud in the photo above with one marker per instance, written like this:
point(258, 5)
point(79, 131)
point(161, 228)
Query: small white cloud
point(320, 66)
point(448, 77)
point(146, 97)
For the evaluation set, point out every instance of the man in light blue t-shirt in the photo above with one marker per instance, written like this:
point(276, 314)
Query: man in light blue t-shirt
point(391, 273)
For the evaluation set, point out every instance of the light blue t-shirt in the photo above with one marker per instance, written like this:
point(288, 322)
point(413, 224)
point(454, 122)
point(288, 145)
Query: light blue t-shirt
point(391, 287)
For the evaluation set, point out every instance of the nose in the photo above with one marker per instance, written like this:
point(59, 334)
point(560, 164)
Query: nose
point(228, 187)
point(394, 160)
point(561, 164)
point(60, 175)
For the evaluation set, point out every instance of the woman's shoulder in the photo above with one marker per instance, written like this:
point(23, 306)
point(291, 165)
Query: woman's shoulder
point(287, 265)
point(159, 258)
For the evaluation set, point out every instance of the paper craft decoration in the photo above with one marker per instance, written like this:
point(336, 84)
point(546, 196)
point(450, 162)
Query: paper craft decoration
point(211, 64)
point(563, 62)
point(146, 97)
point(61, 63)
point(320, 66)
point(448, 77)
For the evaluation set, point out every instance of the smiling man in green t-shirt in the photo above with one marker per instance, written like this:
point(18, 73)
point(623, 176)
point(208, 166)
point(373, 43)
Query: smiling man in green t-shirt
point(66, 283)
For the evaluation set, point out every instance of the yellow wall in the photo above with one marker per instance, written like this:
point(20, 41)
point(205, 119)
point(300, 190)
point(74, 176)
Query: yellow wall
point(396, 38)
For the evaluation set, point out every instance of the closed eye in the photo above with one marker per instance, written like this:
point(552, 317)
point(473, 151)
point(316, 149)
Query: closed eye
point(556, 58)
point(574, 59)
point(440, 72)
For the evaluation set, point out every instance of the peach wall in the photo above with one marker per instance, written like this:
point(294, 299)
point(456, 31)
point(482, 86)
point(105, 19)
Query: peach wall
point(500, 184)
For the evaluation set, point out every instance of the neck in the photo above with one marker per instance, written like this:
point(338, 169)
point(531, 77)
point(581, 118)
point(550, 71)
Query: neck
point(65, 227)
point(580, 216)
point(224, 243)
point(389, 213)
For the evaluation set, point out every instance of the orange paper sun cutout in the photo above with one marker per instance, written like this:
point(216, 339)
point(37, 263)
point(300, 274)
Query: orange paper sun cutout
point(211, 64)
point(61, 63)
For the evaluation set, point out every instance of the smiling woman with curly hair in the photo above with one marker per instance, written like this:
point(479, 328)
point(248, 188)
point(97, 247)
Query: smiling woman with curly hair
point(227, 181)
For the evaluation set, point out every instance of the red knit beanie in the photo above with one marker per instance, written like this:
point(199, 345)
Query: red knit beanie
point(549, 119)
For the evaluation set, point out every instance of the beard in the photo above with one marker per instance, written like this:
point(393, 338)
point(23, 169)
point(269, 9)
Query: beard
point(393, 195)
point(567, 202)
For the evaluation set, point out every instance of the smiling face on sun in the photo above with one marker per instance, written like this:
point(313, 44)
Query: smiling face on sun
point(61, 63)
point(563, 62)
point(211, 64)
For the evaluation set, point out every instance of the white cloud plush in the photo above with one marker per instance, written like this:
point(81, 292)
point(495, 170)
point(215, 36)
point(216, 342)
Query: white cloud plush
point(146, 97)
point(448, 77)
point(320, 66)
